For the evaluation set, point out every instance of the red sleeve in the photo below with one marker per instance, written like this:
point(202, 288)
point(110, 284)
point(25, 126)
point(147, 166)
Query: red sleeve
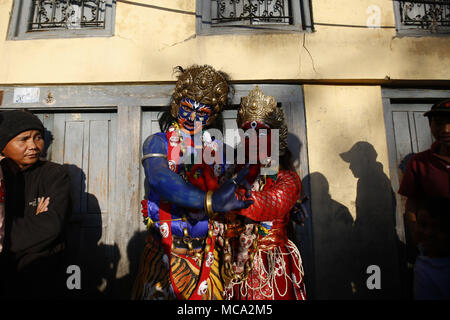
point(409, 184)
point(277, 200)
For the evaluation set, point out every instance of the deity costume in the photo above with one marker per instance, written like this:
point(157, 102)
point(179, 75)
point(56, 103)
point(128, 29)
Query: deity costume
point(180, 260)
point(260, 262)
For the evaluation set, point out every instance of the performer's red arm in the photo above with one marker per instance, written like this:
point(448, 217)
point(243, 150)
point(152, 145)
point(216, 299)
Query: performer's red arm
point(277, 200)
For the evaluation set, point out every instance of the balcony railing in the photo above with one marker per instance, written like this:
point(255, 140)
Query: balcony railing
point(67, 14)
point(432, 15)
point(251, 12)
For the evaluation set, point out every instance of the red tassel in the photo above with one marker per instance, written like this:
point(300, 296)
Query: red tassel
point(198, 181)
point(211, 181)
point(144, 208)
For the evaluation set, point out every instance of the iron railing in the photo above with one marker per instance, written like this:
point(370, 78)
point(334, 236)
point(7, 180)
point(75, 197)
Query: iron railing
point(425, 14)
point(251, 12)
point(67, 14)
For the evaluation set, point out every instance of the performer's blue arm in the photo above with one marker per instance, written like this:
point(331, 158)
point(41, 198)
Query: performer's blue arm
point(164, 181)
point(174, 189)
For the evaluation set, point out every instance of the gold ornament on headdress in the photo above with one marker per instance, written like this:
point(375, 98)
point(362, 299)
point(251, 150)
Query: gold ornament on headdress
point(202, 84)
point(259, 107)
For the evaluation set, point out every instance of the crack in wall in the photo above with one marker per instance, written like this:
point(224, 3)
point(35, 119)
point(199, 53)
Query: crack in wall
point(309, 53)
point(179, 42)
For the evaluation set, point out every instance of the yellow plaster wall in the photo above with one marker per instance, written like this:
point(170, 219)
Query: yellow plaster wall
point(336, 118)
point(356, 12)
point(150, 40)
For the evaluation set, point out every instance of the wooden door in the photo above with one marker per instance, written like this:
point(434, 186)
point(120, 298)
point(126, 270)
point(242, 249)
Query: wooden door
point(411, 132)
point(407, 132)
point(85, 144)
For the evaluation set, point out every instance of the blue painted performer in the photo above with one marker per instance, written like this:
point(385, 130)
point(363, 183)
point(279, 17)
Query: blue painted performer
point(180, 260)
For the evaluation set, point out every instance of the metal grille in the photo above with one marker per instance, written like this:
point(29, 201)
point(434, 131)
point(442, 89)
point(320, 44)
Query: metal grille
point(68, 14)
point(251, 12)
point(426, 14)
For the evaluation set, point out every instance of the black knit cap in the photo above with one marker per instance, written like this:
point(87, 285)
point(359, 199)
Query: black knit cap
point(14, 122)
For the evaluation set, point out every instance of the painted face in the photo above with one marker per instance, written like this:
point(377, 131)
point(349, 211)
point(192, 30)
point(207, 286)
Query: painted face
point(262, 147)
point(25, 148)
point(192, 112)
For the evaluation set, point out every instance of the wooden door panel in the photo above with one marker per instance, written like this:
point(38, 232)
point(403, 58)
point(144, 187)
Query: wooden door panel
point(407, 131)
point(84, 143)
point(423, 134)
point(404, 144)
point(98, 178)
point(149, 126)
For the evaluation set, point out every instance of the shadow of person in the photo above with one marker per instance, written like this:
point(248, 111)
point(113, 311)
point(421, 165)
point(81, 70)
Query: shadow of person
point(97, 261)
point(48, 140)
point(295, 145)
point(300, 226)
point(332, 223)
point(374, 228)
point(124, 286)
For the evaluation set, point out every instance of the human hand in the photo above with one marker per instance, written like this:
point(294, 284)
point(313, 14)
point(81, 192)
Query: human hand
point(42, 205)
point(224, 199)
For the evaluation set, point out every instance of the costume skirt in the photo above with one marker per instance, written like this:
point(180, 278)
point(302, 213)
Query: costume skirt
point(277, 274)
point(153, 279)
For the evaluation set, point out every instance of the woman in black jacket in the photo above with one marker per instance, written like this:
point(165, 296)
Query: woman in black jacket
point(37, 210)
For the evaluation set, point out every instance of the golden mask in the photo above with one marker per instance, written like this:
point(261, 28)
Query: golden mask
point(202, 84)
point(259, 107)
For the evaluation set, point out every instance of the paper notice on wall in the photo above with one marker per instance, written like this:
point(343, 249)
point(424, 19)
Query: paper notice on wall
point(76, 116)
point(26, 95)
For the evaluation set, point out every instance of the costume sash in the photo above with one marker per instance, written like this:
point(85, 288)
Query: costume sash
point(165, 218)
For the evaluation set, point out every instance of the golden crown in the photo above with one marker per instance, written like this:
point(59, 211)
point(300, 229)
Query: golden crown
point(259, 107)
point(202, 84)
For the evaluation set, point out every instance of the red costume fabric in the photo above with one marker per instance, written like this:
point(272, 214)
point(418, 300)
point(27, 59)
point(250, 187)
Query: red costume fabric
point(277, 272)
point(276, 200)
point(184, 268)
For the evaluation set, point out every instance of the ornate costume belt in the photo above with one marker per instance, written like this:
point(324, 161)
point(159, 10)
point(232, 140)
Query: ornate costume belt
point(276, 237)
point(183, 242)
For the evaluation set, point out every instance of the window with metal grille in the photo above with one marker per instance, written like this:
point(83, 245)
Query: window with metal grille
point(37, 19)
point(242, 16)
point(70, 14)
point(251, 12)
point(423, 16)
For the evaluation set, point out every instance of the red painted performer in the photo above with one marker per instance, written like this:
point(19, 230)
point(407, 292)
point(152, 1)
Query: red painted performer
point(259, 261)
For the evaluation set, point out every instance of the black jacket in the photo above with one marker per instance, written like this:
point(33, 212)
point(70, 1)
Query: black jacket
point(32, 241)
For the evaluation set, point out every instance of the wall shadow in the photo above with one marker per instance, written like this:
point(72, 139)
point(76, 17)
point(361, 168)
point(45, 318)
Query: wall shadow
point(295, 145)
point(48, 140)
point(300, 224)
point(374, 238)
point(333, 245)
point(123, 286)
point(85, 248)
point(97, 261)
